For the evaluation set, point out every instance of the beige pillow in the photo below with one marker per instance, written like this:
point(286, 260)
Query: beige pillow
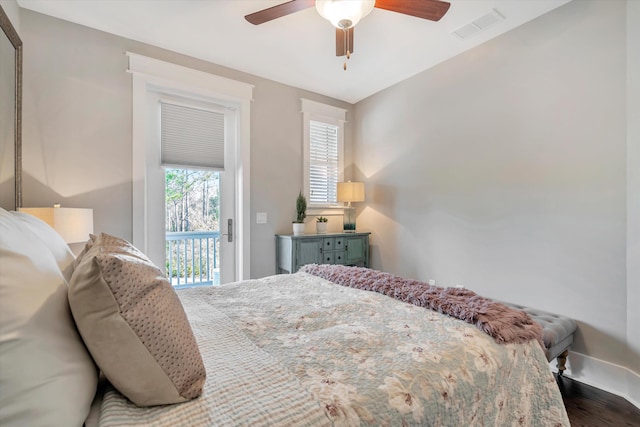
point(134, 325)
point(47, 377)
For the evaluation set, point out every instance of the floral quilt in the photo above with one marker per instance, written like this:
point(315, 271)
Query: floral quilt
point(297, 350)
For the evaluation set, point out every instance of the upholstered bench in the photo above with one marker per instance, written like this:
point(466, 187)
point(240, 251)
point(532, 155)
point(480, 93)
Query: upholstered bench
point(557, 333)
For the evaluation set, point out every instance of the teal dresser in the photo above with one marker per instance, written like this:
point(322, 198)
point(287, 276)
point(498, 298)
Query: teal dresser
point(292, 252)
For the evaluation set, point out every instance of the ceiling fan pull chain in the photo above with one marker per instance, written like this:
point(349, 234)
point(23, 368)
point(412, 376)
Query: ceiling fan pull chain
point(346, 44)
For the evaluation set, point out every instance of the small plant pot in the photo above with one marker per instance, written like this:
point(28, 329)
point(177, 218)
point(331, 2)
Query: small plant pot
point(298, 228)
point(321, 227)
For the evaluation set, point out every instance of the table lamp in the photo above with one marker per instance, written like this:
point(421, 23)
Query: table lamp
point(350, 192)
point(73, 224)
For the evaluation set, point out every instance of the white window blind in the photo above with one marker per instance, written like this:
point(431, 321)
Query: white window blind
point(323, 163)
point(191, 137)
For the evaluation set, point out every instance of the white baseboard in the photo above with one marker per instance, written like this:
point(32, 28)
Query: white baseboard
point(606, 376)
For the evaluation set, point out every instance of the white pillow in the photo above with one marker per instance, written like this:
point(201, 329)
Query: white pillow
point(47, 377)
point(52, 240)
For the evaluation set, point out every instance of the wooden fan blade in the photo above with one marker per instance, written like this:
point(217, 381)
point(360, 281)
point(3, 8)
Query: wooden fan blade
point(340, 41)
point(279, 11)
point(432, 10)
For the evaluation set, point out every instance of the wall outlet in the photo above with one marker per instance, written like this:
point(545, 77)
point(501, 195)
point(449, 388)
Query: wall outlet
point(261, 218)
point(459, 286)
point(432, 282)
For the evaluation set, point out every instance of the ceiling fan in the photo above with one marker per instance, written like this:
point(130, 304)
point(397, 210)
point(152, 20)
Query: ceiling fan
point(345, 14)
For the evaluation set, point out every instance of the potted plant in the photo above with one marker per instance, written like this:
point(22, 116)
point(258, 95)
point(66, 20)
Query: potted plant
point(301, 214)
point(321, 225)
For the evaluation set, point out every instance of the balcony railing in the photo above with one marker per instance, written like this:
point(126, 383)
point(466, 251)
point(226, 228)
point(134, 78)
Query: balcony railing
point(193, 258)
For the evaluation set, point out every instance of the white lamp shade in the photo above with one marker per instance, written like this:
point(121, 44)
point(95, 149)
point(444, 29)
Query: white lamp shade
point(351, 191)
point(343, 12)
point(73, 224)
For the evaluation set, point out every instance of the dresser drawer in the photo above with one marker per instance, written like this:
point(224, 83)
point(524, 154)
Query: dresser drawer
point(327, 257)
point(339, 257)
point(328, 243)
point(339, 243)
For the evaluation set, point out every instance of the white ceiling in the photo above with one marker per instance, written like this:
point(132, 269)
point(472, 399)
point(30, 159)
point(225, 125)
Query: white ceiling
point(299, 49)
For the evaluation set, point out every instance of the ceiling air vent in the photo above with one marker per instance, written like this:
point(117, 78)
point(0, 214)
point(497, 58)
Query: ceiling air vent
point(479, 24)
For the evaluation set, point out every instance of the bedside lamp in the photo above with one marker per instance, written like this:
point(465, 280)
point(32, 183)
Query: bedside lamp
point(350, 192)
point(73, 224)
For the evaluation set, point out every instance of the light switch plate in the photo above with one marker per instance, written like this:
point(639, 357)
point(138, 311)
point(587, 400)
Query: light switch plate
point(261, 218)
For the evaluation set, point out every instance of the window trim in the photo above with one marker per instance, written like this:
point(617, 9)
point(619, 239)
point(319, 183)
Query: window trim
point(319, 112)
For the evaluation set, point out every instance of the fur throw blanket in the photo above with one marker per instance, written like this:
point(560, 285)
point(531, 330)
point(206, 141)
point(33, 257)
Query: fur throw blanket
point(504, 324)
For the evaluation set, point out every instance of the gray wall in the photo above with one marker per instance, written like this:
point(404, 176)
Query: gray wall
point(504, 170)
point(77, 130)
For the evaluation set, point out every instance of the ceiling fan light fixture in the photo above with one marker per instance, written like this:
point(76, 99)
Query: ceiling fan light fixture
point(344, 14)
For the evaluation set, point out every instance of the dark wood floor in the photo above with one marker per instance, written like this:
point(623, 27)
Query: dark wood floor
point(591, 407)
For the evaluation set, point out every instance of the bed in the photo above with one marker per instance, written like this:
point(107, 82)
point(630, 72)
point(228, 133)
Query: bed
point(285, 350)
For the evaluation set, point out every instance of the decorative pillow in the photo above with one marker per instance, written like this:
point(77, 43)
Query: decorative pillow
point(47, 377)
point(134, 325)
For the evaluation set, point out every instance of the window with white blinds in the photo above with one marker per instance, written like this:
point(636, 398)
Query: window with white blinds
point(323, 152)
point(323, 163)
point(191, 137)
